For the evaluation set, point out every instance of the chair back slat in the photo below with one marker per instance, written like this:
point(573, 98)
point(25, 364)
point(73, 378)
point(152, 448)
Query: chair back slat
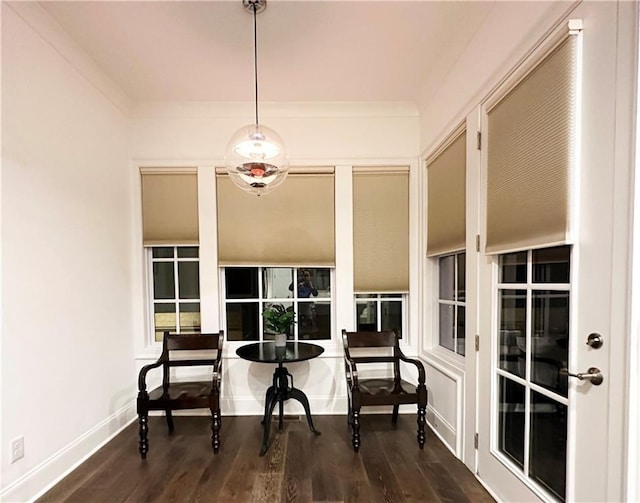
point(383, 339)
point(192, 342)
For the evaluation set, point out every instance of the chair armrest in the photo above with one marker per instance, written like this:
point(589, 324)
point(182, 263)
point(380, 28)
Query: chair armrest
point(351, 371)
point(417, 363)
point(216, 377)
point(142, 376)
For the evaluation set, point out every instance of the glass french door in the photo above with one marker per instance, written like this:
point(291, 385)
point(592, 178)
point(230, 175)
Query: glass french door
point(533, 298)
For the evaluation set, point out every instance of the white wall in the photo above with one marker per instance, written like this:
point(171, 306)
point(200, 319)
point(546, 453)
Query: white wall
point(68, 374)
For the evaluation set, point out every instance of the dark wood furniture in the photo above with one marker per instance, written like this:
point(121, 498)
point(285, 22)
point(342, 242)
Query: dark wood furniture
point(282, 387)
point(391, 390)
point(189, 350)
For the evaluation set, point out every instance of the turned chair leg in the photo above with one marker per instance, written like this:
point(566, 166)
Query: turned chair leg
point(421, 422)
point(143, 445)
point(356, 430)
point(216, 423)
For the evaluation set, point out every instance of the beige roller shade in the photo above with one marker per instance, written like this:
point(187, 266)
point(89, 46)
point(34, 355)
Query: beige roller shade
point(293, 225)
point(169, 207)
point(446, 198)
point(530, 152)
point(381, 230)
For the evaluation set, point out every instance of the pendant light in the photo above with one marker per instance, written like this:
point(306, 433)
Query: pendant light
point(256, 158)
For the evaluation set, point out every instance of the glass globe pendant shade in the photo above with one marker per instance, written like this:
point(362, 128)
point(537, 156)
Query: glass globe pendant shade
point(256, 159)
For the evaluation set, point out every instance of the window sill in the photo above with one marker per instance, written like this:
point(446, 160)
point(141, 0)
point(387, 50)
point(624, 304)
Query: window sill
point(451, 361)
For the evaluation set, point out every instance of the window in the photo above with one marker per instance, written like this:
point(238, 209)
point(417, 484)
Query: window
point(249, 290)
point(451, 302)
point(175, 289)
point(379, 311)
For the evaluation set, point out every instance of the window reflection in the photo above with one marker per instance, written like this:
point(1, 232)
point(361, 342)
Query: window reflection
point(551, 265)
point(513, 268)
point(241, 282)
point(511, 420)
point(513, 316)
point(242, 321)
point(550, 340)
point(164, 286)
point(447, 338)
point(276, 282)
point(548, 446)
point(447, 277)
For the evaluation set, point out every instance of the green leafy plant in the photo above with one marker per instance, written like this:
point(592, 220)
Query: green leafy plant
point(278, 319)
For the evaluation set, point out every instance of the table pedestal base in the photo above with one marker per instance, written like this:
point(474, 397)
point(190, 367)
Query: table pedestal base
point(277, 393)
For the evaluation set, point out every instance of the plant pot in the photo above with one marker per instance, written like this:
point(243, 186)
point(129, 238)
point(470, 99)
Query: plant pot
point(281, 340)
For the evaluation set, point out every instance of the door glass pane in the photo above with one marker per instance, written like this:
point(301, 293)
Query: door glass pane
point(447, 277)
point(550, 340)
point(189, 317)
point(460, 331)
point(189, 280)
point(548, 445)
point(551, 265)
point(461, 290)
point(391, 316)
point(513, 316)
point(164, 286)
point(367, 316)
point(321, 327)
point(164, 318)
point(242, 322)
point(241, 283)
point(447, 339)
point(277, 282)
point(511, 420)
point(513, 268)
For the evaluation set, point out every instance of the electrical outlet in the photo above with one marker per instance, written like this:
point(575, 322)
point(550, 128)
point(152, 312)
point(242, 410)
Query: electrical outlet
point(17, 449)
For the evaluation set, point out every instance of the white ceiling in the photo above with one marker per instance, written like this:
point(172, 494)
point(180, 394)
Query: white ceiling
point(307, 50)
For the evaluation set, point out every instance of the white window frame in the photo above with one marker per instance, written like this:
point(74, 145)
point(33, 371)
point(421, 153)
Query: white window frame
point(455, 303)
point(263, 301)
point(379, 298)
point(151, 301)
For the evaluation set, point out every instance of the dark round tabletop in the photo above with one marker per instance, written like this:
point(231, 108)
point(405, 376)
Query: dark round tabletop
point(267, 352)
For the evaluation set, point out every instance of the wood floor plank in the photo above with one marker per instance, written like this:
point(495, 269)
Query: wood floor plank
point(299, 467)
point(297, 473)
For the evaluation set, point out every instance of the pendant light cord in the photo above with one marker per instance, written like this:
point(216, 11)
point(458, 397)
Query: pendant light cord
point(255, 55)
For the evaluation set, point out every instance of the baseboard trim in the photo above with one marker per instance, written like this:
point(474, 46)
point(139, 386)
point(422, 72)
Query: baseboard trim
point(43, 477)
point(442, 429)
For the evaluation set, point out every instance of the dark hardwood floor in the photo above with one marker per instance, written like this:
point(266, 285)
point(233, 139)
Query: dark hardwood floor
point(298, 467)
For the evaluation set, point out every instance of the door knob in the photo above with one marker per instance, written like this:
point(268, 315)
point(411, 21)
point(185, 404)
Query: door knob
point(593, 374)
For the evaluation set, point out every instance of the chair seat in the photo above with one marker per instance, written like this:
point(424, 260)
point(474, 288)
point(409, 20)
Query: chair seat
point(373, 390)
point(178, 392)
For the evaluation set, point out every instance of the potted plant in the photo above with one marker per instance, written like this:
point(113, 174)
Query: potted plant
point(279, 320)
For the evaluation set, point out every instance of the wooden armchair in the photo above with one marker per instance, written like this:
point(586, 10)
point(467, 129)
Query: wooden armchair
point(390, 390)
point(178, 395)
